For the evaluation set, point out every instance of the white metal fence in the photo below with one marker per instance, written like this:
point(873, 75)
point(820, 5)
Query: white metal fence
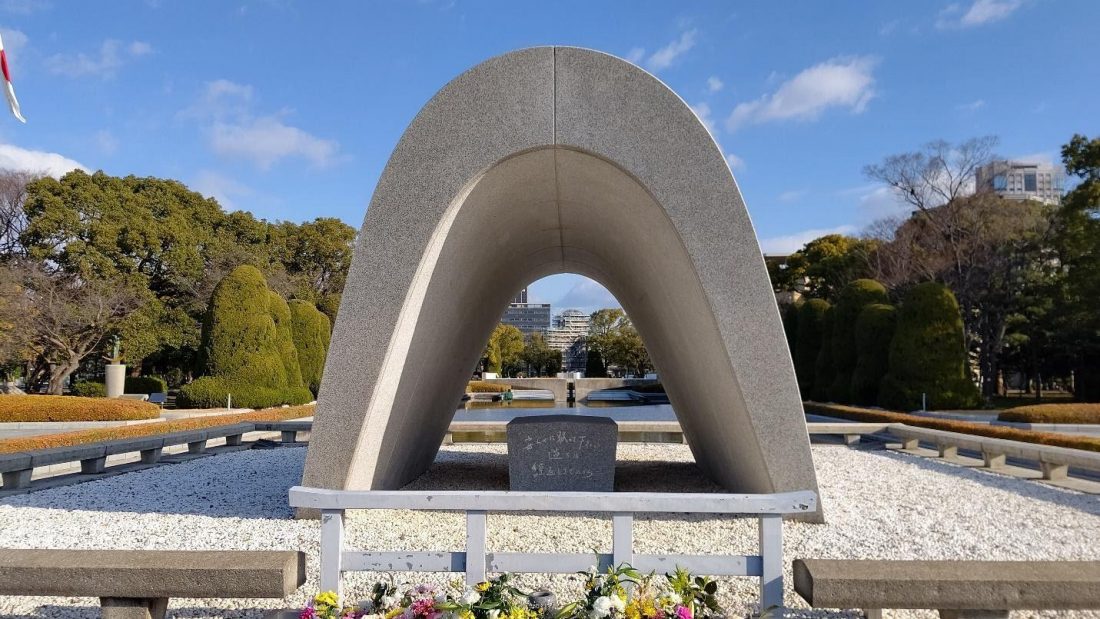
point(476, 560)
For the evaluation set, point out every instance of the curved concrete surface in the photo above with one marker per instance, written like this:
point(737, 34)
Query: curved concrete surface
point(543, 161)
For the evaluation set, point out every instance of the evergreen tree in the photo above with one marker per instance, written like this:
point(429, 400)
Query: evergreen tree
point(811, 330)
point(850, 302)
point(874, 330)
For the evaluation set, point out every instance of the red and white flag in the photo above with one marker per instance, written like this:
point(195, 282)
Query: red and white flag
point(13, 103)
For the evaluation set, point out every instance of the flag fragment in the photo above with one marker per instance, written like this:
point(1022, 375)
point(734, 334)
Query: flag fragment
point(9, 90)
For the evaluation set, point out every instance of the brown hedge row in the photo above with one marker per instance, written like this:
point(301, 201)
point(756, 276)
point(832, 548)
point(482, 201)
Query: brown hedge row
point(1025, 436)
point(481, 386)
point(68, 439)
point(25, 408)
point(1053, 413)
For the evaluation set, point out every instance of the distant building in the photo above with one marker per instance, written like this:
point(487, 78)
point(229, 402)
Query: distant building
point(527, 317)
point(567, 335)
point(1016, 180)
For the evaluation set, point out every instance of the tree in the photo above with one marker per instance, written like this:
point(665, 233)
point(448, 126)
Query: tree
point(1078, 245)
point(811, 331)
point(790, 326)
point(627, 351)
point(927, 354)
point(935, 175)
point(824, 366)
point(71, 319)
point(312, 332)
point(13, 219)
point(505, 349)
point(850, 303)
point(540, 358)
point(874, 330)
point(317, 255)
point(594, 367)
point(824, 266)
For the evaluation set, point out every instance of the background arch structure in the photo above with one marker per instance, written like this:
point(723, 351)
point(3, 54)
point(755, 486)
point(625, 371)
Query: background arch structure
point(542, 161)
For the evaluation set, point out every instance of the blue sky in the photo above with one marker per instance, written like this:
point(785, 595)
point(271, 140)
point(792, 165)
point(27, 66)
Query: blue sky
point(290, 109)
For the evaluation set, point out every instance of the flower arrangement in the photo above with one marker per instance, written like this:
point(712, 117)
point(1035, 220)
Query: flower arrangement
point(621, 592)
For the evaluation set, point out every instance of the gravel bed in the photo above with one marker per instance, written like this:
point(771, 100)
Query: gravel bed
point(879, 505)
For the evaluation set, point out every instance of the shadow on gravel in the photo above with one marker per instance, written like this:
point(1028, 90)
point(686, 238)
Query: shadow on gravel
point(1061, 497)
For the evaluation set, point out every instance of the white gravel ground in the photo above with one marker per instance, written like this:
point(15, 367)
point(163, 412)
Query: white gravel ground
point(878, 504)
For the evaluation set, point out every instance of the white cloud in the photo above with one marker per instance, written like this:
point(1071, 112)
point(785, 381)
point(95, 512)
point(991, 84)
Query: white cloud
point(876, 202)
point(636, 55)
point(1041, 158)
point(888, 28)
point(15, 158)
point(24, 7)
point(843, 82)
point(702, 110)
point(14, 40)
point(973, 106)
point(266, 140)
point(790, 243)
point(714, 84)
point(234, 130)
point(221, 188)
point(664, 57)
point(112, 55)
point(792, 195)
point(106, 141)
point(735, 162)
point(981, 12)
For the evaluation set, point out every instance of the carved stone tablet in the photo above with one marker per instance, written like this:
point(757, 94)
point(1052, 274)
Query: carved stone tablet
point(562, 453)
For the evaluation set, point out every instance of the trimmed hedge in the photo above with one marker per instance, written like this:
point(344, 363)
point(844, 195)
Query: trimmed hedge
point(978, 429)
point(145, 384)
point(811, 330)
point(481, 386)
point(25, 408)
point(1053, 413)
point(89, 389)
point(68, 439)
point(873, 333)
point(311, 330)
point(825, 367)
point(284, 339)
point(928, 355)
point(790, 327)
point(213, 392)
point(850, 302)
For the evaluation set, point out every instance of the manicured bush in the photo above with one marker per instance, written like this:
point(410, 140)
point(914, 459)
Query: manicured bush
point(481, 386)
point(873, 332)
point(978, 429)
point(811, 330)
point(1077, 412)
point(594, 366)
point(928, 355)
point(214, 392)
point(311, 330)
point(25, 408)
point(790, 327)
point(89, 389)
point(68, 439)
point(849, 303)
point(824, 368)
point(280, 313)
point(146, 384)
point(247, 348)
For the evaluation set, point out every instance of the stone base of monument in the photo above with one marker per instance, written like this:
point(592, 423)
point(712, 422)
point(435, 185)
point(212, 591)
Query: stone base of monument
point(562, 453)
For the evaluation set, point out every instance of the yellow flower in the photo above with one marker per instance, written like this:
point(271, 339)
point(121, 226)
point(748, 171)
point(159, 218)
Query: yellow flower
point(326, 598)
point(483, 586)
point(395, 612)
point(465, 614)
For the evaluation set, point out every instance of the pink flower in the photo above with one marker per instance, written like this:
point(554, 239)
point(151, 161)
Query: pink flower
point(683, 612)
point(307, 613)
point(423, 608)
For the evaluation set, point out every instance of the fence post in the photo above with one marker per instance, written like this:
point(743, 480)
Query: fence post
point(771, 559)
point(475, 547)
point(332, 551)
point(622, 538)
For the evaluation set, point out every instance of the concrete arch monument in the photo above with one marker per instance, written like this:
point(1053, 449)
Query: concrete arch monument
point(541, 161)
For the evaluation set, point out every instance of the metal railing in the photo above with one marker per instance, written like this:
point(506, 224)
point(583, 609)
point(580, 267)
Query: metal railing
point(476, 560)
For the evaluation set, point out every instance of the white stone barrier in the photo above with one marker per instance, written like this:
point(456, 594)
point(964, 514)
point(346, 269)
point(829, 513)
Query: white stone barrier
point(476, 560)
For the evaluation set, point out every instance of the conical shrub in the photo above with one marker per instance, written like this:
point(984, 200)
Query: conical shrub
point(849, 303)
point(311, 330)
point(811, 331)
point(824, 367)
point(873, 332)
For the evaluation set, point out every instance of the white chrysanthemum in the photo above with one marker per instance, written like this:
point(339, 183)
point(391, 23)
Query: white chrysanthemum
point(470, 597)
point(494, 614)
point(388, 601)
point(675, 598)
point(602, 606)
point(618, 603)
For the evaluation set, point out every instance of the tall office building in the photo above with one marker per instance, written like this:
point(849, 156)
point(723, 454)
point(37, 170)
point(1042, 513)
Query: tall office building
point(1016, 180)
point(527, 317)
point(567, 335)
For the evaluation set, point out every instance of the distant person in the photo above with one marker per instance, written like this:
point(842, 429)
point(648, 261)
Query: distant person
point(508, 396)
